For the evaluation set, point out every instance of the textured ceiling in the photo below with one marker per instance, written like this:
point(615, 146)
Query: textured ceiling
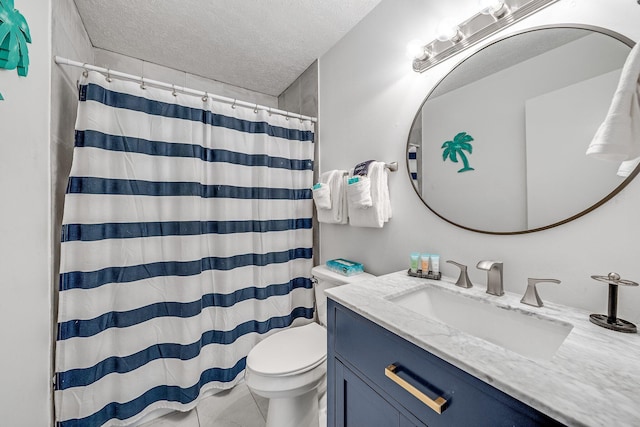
point(262, 45)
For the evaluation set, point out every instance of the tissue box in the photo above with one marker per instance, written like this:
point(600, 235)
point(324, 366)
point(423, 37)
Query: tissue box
point(345, 267)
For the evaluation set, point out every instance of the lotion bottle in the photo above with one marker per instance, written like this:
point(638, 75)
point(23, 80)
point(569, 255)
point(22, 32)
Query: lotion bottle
point(415, 261)
point(435, 264)
point(424, 263)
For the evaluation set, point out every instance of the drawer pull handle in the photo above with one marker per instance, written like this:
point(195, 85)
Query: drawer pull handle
point(437, 404)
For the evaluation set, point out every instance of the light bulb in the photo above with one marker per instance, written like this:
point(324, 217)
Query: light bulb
point(416, 50)
point(447, 30)
point(496, 8)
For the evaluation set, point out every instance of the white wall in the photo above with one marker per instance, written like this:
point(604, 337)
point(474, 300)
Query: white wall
point(559, 125)
point(368, 99)
point(25, 245)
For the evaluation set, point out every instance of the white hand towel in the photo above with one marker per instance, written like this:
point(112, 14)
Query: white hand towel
point(627, 167)
point(359, 193)
point(618, 137)
point(335, 180)
point(380, 211)
point(322, 196)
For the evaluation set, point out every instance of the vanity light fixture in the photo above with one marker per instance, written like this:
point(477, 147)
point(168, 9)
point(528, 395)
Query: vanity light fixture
point(494, 15)
point(448, 31)
point(497, 9)
point(416, 49)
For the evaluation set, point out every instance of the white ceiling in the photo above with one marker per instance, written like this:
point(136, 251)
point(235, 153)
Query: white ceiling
point(262, 45)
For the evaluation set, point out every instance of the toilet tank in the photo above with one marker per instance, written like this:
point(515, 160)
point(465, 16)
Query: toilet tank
point(325, 279)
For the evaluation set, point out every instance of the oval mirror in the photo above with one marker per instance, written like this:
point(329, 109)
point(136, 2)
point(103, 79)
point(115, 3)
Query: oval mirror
point(499, 144)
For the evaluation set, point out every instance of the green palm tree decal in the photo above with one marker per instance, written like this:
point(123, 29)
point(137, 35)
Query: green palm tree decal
point(14, 36)
point(455, 148)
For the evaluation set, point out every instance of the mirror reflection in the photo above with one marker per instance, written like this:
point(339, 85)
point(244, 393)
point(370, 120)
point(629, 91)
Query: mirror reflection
point(499, 145)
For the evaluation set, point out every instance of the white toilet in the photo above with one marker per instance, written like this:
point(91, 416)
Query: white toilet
point(289, 367)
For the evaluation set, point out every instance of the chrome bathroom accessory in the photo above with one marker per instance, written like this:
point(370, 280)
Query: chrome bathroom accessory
point(425, 274)
point(610, 320)
point(393, 166)
point(494, 276)
point(158, 84)
point(463, 279)
point(531, 296)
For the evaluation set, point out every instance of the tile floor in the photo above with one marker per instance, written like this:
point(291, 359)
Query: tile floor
point(237, 407)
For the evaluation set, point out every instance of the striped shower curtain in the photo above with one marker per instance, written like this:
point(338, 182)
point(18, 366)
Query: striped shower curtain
point(186, 238)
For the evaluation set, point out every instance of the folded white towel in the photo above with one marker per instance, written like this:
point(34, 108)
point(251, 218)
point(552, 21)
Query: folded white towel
point(618, 137)
point(337, 214)
point(627, 167)
point(322, 195)
point(380, 211)
point(359, 193)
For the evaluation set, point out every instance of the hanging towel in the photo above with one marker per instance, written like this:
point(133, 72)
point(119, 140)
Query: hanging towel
point(362, 169)
point(380, 211)
point(359, 192)
point(335, 181)
point(618, 137)
point(322, 196)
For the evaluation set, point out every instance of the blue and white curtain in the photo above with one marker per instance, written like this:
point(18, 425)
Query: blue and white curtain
point(412, 162)
point(186, 238)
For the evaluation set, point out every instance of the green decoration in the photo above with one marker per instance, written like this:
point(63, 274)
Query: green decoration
point(455, 148)
point(14, 36)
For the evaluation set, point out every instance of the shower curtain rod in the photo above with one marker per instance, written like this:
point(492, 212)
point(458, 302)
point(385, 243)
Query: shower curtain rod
point(64, 61)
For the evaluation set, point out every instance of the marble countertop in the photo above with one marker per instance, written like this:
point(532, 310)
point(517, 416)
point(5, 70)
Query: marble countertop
point(592, 380)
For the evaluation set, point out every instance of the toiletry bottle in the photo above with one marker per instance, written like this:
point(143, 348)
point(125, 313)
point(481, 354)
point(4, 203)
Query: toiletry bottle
point(415, 260)
point(435, 264)
point(424, 263)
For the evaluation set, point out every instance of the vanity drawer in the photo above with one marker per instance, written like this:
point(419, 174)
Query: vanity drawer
point(367, 349)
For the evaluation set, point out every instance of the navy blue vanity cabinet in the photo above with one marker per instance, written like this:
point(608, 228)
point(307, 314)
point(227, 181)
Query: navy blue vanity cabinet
point(375, 378)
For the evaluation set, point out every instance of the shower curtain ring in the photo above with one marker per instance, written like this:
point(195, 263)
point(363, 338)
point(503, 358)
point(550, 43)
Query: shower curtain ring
point(142, 85)
point(85, 72)
point(205, 98)
point(255, 110)
point(108, 78)
point(173, 92)
point(269, 111)
point(234, 104)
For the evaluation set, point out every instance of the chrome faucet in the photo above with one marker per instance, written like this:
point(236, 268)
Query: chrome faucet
point(494, 276)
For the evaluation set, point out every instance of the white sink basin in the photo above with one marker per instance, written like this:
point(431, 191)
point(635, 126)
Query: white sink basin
point(530, 335)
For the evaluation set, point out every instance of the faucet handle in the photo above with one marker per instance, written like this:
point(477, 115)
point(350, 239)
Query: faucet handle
point(463, 279)
point(531, 296)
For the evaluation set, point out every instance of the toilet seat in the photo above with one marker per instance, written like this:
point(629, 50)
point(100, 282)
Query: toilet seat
point(289, 352)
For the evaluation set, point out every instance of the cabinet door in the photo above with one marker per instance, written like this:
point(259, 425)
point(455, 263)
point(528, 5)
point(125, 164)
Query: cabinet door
point(357, 405)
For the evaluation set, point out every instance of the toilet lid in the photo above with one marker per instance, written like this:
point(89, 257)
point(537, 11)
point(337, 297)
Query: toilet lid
point(289, 351)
